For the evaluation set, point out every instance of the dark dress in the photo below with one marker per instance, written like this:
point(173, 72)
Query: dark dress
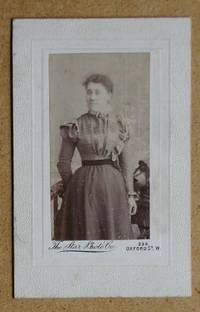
point(95, 205)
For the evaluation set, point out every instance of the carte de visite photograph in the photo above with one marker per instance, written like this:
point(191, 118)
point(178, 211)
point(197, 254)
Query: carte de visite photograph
point(99, 146)
point(104, 163)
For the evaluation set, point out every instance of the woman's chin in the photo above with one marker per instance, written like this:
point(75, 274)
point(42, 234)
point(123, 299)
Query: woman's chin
point(99, 108)
point(94, 107)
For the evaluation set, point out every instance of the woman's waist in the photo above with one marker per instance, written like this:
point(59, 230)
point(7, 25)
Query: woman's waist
point(94, 157)
point(97, 162)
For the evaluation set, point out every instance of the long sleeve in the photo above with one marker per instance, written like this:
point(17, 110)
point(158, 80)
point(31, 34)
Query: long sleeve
point(125, 164)
point(125, 154)
point(65, 156)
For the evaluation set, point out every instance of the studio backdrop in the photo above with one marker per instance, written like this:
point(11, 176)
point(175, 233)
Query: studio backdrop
point(130, 73)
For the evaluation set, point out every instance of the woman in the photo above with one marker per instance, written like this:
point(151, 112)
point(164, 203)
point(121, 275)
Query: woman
point(98, 197)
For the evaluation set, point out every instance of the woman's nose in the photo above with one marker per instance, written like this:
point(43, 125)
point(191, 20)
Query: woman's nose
point(92, 96)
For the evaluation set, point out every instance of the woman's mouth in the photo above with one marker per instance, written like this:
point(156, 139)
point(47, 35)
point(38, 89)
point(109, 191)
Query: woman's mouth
point(93, 103)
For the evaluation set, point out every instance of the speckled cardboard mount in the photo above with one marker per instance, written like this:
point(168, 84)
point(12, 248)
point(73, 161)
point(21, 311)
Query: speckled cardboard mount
point(134, 274)
point(32, 9)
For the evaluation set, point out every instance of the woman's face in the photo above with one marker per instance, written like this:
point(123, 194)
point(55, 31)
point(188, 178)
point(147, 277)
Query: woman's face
point(97, 96)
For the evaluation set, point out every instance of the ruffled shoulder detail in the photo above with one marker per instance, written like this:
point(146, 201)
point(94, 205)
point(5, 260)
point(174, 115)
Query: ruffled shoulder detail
point(124, 135)
point(70, 130)
point(124, 128)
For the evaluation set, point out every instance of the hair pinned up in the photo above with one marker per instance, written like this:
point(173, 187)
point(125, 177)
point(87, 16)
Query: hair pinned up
point(99, 78)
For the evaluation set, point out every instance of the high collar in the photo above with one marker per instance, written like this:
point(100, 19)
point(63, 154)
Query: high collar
point(99, 114)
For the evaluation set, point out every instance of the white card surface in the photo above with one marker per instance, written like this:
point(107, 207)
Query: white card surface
point(79, 245)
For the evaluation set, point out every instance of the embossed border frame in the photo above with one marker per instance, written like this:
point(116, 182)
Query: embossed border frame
point(159, 142)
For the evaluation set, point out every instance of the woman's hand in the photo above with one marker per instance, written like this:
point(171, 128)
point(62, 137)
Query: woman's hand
point(132, 205)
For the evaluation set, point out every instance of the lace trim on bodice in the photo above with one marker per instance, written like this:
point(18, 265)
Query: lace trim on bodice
point(124, 137)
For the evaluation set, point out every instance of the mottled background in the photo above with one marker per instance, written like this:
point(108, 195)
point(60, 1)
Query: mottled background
point(10, 9)
point(130, 75)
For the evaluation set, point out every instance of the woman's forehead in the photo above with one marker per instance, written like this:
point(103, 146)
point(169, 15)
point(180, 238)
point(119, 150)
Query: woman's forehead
point(95, 85)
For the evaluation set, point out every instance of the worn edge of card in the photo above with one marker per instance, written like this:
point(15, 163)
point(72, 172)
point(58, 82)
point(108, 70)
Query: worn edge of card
point(35, 278)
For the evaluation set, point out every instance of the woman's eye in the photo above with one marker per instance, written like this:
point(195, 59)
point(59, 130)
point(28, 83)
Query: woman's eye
point(89, 92)
point(97, 92)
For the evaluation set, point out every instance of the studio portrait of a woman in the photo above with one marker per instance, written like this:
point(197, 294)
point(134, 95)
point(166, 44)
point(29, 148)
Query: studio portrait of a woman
point(98, 198)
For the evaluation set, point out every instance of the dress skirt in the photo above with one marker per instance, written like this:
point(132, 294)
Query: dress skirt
point(95, 206)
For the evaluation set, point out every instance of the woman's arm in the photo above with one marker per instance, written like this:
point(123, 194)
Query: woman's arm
point(125, 164)
point(65, 157)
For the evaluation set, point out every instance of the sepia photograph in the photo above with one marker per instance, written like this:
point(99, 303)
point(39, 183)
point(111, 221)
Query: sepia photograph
point(99, 146)
point(104, 162)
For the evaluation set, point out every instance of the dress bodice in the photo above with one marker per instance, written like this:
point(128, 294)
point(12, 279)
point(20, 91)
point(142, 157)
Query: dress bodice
point(97, 135)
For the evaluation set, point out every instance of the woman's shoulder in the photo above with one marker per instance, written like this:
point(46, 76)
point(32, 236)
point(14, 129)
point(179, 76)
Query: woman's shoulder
point(121, 119)
point(70, 130)
point(124, 126)
point(82, 118)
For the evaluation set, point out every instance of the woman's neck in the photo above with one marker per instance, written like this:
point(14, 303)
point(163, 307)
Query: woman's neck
point(103, 110)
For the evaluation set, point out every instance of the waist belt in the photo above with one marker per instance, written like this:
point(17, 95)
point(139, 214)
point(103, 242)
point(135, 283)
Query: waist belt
point(98, 162)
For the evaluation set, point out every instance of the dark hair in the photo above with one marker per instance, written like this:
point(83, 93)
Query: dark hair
point(143, 167)
point(99, 78)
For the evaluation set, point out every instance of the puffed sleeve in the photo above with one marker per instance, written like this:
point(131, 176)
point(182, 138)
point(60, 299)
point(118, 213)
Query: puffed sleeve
point(69, 133)
point(126, 154)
